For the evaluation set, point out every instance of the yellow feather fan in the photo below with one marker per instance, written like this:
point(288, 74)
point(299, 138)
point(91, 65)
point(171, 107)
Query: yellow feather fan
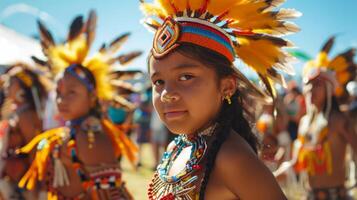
point(44, 142)
point(75, 51)
point(255, 27)
point(342, 65)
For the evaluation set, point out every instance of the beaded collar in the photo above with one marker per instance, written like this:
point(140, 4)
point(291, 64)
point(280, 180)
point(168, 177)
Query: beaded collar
point(181, 185)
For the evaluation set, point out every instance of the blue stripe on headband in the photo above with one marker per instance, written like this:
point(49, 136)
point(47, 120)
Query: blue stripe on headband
point(81, 77)
point(208, 34)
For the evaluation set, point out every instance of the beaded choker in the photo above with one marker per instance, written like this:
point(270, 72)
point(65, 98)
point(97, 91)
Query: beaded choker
point(181, 185)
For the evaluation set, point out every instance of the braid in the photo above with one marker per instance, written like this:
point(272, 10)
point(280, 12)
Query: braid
point(230, 117)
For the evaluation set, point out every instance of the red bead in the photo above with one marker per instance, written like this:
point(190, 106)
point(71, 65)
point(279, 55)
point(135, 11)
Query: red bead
point(169, 196)
point(196, 167)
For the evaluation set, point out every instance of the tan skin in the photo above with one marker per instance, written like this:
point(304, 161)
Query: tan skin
point(27, 127)
point(340, 134)
point(187, 96)
point(74, 101)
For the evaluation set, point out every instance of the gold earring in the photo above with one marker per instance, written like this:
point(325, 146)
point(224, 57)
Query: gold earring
point(228, 98)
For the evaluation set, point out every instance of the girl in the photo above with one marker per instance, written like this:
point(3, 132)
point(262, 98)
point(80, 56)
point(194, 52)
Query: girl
point(21, 121)
point(201, 96)
point(80, 160)
point(324, 131)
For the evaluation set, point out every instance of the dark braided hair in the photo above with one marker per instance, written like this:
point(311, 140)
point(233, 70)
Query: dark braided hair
point(231, 115)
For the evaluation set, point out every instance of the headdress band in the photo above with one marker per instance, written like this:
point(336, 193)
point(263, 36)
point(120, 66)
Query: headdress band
point(173, 33)
point(80, 75)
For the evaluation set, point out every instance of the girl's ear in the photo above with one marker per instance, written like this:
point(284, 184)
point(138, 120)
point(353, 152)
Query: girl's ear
point(228, 86)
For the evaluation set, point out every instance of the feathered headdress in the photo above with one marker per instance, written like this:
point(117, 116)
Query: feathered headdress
point(338, 70)
point(33, 80)
point(74, 51)
point(247, 29)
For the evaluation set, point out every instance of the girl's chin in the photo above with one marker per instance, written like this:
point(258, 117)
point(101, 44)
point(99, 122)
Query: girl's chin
point(180, 129)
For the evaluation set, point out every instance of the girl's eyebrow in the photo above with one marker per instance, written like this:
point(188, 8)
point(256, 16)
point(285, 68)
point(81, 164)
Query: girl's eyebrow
point(178, 67)
point(185, 66)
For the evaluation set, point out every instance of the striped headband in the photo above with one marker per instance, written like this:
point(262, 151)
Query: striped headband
point(191, 30)
point(80, 75)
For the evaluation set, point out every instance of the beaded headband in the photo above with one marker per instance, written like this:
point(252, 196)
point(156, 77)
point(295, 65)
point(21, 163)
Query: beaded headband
point(195, 31)
point(250, 30)
point(80, 75)
point(338, 70)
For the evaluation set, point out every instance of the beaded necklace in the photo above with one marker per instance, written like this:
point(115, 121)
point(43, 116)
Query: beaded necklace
point(181, 185)
point(72, 150)
point(110, 178)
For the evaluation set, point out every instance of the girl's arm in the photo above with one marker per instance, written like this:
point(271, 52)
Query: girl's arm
point(244, 174)
point(346, 129)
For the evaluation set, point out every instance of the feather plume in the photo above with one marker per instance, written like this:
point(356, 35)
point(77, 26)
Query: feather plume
point(47, 40)
point(126, 58)
point(76, 28)
point(91, 26)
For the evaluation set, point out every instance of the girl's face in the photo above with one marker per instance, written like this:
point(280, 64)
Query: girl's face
point(187, 94)
point(73, 99)
point(318, 93)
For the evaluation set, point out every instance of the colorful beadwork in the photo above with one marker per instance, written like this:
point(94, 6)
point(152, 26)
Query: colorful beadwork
point(110, 178)
point(179, 186)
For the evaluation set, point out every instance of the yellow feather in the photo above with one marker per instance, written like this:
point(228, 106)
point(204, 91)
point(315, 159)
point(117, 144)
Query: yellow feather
point(166, 6)
point(260, 54)
point(125, 146)
point(38, 166)
point(152, 9)
point(217, 7)
point(196, 4)
point(343, 77)
point(338, 64)
point(241, 11)
point(251, 16)
point(50, 133)
point(180, 5)
point(280, 29)
point(100, 69)
point(79, 47)
point(322, 59)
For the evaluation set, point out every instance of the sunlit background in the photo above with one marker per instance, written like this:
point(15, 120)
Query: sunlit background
point(321, 18)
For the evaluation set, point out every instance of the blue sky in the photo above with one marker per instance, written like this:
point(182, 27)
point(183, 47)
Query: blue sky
point(321, 18)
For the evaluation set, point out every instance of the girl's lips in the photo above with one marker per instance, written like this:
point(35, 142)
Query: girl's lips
point(174, 114)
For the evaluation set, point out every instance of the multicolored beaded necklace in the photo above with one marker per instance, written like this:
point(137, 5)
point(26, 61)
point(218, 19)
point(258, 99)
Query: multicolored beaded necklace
point(72, 150)
point(111, 178)
point(181, 185)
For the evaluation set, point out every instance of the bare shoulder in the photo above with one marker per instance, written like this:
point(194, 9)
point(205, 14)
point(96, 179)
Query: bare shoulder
point(237, 154)
point(241, 170)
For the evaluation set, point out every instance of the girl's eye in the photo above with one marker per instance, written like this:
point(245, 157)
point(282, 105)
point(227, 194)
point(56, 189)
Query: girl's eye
point(186, 77)
point(158, 82)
